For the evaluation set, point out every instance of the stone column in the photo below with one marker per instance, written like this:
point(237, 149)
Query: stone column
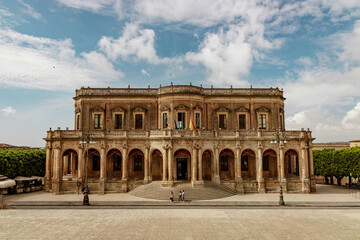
point(125, 164)
point(165, 162)
point(305, 169)
point(102, 168)
point(200, 165)
point(81, 163)
point(216, 164)
point(252, 116)
point(146, 161)
point(56, 183)
point(260, 178)
point(281, 165)
point(238, 178)
point(170, 168)
point(65, 165)
point(193, 166)
point(48, 176)
point(72, 164)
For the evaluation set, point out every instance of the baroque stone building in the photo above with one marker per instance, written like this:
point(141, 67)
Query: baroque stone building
point(230, 136)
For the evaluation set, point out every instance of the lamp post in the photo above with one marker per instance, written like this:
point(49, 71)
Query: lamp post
point(279, 141)
point(86, 139)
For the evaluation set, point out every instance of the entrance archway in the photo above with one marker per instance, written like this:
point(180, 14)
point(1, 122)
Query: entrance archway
point(136, 165)
point(114, 164)
point(248, 165)
point(156, 168)
point(227, 165)
point(270, 169)
point(70, 164)
point(183, 164)
point(206, 165)
point(291, 164)
point(94, 164)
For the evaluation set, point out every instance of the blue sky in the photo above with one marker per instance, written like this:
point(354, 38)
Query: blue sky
point(48, 49)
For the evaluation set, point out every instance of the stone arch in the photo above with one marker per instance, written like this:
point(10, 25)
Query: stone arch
point(93, 163)
point(270, 166)
point(182, 158)
point(248, 164)
point(207, 165)
point(291, 164)
point(114, 160)
point(227, 164)
point(70, 163)
point(156, 166)
point(136, 164)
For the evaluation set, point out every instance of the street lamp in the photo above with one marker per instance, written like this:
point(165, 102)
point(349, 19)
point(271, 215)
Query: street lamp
point(86, 139)
point(279, 141)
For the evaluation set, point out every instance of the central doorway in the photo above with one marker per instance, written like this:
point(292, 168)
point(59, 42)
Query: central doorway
point(181, 164)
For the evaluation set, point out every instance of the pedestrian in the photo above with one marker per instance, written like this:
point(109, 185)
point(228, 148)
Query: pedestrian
point(180, 196)
point(183, 195)
point(171, 197)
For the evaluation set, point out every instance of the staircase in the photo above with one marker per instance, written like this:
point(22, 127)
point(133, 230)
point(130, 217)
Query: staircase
point(210, 191)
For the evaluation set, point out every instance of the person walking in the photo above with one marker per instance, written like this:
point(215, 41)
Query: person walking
point(171, 197)
point(183, 195)
point(180, 196)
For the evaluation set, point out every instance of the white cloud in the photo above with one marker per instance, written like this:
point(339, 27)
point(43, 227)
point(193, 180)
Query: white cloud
point(135, 44)
point(30, 10)
point(8, 111)
point(352, 118)
point(90, 5)
point(144, 72)
point(43, 63)
point(305, 61)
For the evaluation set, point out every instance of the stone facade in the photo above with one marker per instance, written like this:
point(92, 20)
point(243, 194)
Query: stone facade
point(231, 136)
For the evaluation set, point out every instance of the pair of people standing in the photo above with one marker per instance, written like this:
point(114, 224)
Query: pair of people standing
point(182, 195)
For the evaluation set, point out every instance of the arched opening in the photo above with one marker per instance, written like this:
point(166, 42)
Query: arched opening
point(94, 163)
point(136, 165)
point(206, 165)
point(291, 163)
point(182, 159)
point(248, 165)
point(114, 164)
point(156, 167)
point(227, 165)
point(269, 161)
point(70, 164)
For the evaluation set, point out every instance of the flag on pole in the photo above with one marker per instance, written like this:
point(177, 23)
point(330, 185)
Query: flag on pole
point(175, 125)
point(183, 125)
point(191, 125)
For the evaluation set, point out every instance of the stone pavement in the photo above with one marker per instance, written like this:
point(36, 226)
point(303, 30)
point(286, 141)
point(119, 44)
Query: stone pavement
point(326, 195)
point(181, 224)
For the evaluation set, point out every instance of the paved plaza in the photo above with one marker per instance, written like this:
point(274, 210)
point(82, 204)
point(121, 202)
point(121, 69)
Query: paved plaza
point(180, 224)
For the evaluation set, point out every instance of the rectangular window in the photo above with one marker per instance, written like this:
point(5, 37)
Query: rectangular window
point(245, 163)
point(266, 163)
point(96, 163)
point(117, 162)
point(224, 163)
point(138, 159)
point(197, 120)
point(118, 121)
point(222, 121)
point(165, 120)
point(181, 120)
point(242, 121)
point(138, 121)
point(262, 121)
point(78, 121)
point(97, 121)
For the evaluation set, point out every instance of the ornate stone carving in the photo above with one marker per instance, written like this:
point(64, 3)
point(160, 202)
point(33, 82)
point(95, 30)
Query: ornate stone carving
point(125, 146)
point(222, 109)
point(165, 108)
point(97, 109)
point(118, 109)
point(77, 110)
point(262, 109)
point(139, 109)
point(242, 109)
point(181, 107)
point(197, 107)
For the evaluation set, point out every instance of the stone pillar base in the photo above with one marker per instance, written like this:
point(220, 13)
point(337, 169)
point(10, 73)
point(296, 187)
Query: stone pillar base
point(240, 186)
point(47, 184)
point(124, 185)
point(102, 186)
point(56, 186)
point(167, 184)
point(306, 185)
point(284, 186)
point(261, 186)
point(146, 180)
point(217, 180)
point(197, 184)
point(313, 184)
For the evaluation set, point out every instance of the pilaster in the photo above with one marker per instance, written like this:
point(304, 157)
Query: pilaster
point(260, 178)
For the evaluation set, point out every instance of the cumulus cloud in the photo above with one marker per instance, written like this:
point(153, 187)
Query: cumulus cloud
point(43, 63)
point(144, 72)
point(352, 118)
point(8, 111)
point(135, 43)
